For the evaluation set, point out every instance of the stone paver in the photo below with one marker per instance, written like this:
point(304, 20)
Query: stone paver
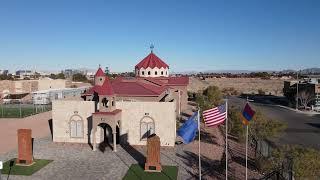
point(75, 161)
point(8, 129)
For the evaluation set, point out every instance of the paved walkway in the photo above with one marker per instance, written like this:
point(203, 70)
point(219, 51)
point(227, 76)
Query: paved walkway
point(79, 162)
point(8, 129)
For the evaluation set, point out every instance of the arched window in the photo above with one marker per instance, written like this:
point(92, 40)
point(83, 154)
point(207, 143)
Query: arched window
point(161, 72)
point(166, 72)
point(76, 127)
point(142, 72)
point(105, 102)
point(156, 72)
point(149, 73)
point(147, 127)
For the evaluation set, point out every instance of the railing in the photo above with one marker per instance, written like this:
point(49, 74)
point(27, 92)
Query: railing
point(22, 110)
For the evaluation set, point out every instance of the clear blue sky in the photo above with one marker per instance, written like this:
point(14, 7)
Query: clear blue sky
point(188, 35)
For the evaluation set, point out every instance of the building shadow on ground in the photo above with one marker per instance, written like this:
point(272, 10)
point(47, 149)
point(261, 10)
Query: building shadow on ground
point(89, 122)
point(50, 127)
point(137, 155)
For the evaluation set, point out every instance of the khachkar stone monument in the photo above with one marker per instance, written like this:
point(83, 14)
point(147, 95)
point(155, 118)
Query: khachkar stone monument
point(24, 147)
point(153, 154)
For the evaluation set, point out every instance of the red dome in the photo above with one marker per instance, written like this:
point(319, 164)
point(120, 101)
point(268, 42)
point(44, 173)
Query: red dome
point(151, 61)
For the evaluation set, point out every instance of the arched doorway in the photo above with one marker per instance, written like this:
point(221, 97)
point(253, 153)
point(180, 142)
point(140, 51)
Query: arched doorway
point(106, 137)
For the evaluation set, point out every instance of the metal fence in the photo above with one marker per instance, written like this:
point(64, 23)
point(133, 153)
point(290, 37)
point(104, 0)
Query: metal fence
point(22, 110)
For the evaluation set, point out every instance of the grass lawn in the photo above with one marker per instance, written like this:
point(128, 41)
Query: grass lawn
point(24, 170)
point(14, 111)
point(137, 172)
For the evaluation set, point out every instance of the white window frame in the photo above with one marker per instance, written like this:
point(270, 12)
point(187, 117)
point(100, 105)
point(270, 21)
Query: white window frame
point(149, 123)
point(79, 127)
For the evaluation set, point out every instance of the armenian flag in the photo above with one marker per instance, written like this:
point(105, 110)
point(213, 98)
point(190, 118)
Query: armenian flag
point(247, 114)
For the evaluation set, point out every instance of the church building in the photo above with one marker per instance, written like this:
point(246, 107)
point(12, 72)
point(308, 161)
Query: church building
point(125, 109)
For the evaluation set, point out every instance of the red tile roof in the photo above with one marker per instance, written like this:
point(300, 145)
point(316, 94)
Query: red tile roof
point(182, 80)
point(136, 88)
point(108, 113)
point(105, 89)
point(151, 61)
point(99, 72)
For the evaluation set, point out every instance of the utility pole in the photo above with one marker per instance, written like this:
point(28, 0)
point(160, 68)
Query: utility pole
point(297, 98)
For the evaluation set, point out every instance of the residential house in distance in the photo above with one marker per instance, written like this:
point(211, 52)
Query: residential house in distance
point(124, 110)
point(311, 88)
point(4, 72)
point(22, 74)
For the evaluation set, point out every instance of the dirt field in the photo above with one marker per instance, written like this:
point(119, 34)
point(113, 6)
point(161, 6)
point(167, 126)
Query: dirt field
point(242, 85)
point(8, 129)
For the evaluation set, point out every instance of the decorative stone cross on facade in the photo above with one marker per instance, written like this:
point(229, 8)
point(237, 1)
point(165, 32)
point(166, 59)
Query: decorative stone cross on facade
point(153, 154)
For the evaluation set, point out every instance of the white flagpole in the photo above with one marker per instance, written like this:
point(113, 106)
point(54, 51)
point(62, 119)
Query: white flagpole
point(199, 142)
point(247, 152)
point(226, 139)
point(247, 146)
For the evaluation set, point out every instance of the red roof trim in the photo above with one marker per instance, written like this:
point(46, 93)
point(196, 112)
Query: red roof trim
point(108, 113)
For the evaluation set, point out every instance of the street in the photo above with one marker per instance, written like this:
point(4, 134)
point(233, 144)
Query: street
point(302, 129)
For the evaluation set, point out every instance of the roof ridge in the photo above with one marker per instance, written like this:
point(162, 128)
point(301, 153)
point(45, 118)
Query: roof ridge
point(144, 85)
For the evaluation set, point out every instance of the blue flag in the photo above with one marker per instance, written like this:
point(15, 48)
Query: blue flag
point(189, 129)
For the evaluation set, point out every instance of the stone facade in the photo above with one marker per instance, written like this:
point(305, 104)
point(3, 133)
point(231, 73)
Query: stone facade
point(63, 112)
point(161, 113)
point(133, 114)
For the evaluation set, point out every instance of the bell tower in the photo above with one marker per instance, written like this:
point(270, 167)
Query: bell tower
point(99, 77)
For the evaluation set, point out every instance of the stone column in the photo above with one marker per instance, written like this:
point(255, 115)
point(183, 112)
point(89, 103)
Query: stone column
point(114, 142)
point(94, 148)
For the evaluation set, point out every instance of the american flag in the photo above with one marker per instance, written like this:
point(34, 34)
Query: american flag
point(215, 115)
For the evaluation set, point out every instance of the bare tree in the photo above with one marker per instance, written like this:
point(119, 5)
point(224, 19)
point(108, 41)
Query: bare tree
point(305, 98)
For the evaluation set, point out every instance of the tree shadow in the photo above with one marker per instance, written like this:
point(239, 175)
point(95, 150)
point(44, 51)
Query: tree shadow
point(137, 155)
point(316, 125)
point(211, 168)
point(206, 138)
point(50, 127)
point(242, 161)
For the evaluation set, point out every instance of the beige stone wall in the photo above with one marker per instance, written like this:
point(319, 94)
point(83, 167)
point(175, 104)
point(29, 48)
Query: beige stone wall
point(62, 111)
point(6, 86)
point(45, 84)
point(163, 114)
point(23, 86)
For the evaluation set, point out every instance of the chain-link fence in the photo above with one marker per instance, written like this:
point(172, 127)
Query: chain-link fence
point(22, 110)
